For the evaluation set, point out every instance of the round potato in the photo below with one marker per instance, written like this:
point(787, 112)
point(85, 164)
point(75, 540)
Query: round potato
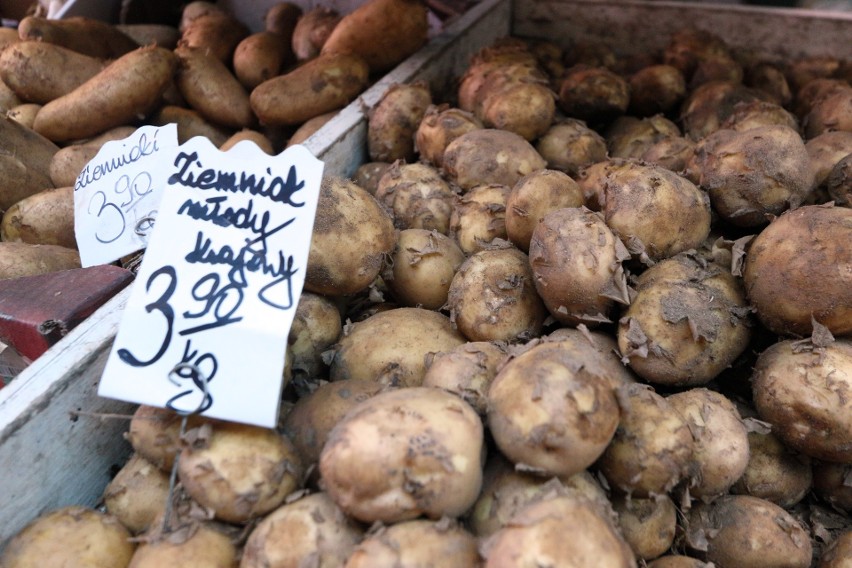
point(395, 120)
point(801, 390)
point(830, 482)
point(491, 297)
point(478, 218)
point(199, 544)
point(389, 347)
point(405, 453)
point(569, 146)
point(416, 196)
point(420, 542)
point(647, 524)
point(137, 494)
point(351, 237)
point(440, 126)
point(534, 196)
point(788, 268)
point(489, 156)
point(316, 327)
point(466, 371)
point(550, 413)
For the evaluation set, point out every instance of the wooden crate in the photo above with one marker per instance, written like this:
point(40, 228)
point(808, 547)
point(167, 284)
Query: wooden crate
point(60, 443)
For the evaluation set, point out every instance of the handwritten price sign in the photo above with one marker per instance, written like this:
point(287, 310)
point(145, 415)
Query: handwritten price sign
point(117, 194)
point(219, 284)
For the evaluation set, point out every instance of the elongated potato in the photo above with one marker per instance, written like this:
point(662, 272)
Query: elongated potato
point(210, 88)
point(83, 35)
point(383, 32)
point(68, 162)
point(39, 72)
point(23, 259)
point(319, 86)
point(215, 31)
point(190, 123)
point(129, 86)
point(24, 114)
point(46, 218)
point(260, 139)
point(260, 57)
point(32, 149)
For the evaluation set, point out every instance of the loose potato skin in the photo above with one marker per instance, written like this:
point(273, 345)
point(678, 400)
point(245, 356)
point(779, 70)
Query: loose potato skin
point(421, 543)
point(394, 122)
point(440, 126)
point(485, 156)
point(791, 271)
point(405, 453)
point(137, 494)
point(206, 545)
point(424, 263)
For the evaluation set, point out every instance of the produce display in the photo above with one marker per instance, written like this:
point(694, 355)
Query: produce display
point(588, 309)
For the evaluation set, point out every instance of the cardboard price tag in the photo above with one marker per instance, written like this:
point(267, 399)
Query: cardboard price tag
point(207, 321)
point(117, 194)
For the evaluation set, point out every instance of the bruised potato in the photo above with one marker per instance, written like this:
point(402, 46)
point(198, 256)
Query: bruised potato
point(405, 453)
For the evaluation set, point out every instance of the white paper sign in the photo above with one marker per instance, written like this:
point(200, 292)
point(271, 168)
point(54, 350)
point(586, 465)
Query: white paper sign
point(117, 194)
point(219, 284)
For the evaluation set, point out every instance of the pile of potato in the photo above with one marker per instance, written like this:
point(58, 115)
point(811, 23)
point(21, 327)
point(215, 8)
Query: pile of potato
point(589, 310)
point(75, 84)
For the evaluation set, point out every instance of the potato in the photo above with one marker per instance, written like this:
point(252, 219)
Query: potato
point(838, 553)
point(312, 30)
point(260, 57)
point(311, 419)
point(721, 448)
point(422, 267)
point(812, 91)
point(317, 87)
point(593, 94)
point(746, 532)
point(790, 262)
point(597, 349)
point(368, 175)
point(678, 561)
point(536, 536)
point(655, 89)
point(420, 543)
point(774, 472)
point(578, 284)
point(839, 182)
point(801, 391)
point(154, 434)
point(137, 494)
point(309, 529)
point(639, 200)
point(23, 259)
point(466, 370)
point(707, 106)
point(129, 86)
point(240, 472)
point(210, 88)
point(647, 524)
point(190, 124)
point(652, 450)
point(394, 121)
point(260, 140)
point(550, 414)
point(45, 218)
point(491, 297)
point(487, 156)
point(629, 137)
point(478, 218)
point(405, 453)
point(832, 111)
point(309, 127)
point(506, 490)
point(440, 126)
point(688, 47)
point(216, 32)
point(281, 18)
point(199, 544)
point(716, 68)
point(569, 145)
point(351, 236)
point(416, 196)
point(24, 114)
point(39, 72)
point(8, 99)
point(383, 32)
point(751, 174)
point(316, 327)
point(389, 347)
point(753, 114)
point(672, 153)
point(769, 79)
point(84, 35)
point(831, 484)
point(197, 9)
point(534, 196)
point(687, 322)
point(70, 536)
point(525, 108)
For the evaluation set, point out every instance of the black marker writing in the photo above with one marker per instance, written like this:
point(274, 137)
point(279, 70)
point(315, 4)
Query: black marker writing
point(93, 172)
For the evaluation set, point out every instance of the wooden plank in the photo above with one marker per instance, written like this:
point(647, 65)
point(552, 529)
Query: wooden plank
point(642, 27)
